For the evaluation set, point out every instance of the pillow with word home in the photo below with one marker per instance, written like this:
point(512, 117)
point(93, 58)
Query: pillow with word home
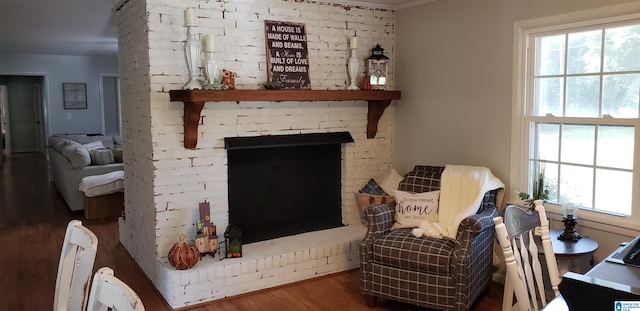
point(414, 208)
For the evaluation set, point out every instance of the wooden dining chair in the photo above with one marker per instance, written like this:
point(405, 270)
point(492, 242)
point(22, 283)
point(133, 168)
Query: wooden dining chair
point(516, 235)
point(75, 267)
point(107, 291)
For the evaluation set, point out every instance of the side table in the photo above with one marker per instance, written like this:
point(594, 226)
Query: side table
point(573, 256)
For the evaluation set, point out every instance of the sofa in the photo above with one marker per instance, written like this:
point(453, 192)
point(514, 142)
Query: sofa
point(443, 273)
point(73, 157)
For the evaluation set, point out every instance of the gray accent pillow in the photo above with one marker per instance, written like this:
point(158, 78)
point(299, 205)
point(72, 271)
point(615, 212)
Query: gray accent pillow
point(117, 155)
point(107, 143)
point(101, 156)
point(57, 143)
point(94, 145)
point(76, 153)
point(117, 140)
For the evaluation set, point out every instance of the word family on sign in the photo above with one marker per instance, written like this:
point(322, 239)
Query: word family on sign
point(287, 56)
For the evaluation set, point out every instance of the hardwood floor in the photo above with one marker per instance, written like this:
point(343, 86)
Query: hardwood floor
point(33, 217)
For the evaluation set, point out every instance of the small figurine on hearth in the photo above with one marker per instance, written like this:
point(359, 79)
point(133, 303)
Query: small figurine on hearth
point(207, 236)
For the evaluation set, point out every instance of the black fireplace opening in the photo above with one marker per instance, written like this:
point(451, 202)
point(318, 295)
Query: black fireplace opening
point(284, 185)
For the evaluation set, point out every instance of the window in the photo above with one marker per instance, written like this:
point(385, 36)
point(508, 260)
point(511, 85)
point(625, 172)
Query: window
point(579, 110)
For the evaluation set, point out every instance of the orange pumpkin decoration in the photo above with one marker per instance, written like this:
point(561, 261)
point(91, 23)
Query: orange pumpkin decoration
point(183, 256)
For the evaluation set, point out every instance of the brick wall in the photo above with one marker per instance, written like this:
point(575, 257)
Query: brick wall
point(165, 182)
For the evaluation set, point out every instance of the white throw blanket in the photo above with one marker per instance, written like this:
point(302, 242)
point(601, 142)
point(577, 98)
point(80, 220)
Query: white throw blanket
point(97, 185)
point(462, 189)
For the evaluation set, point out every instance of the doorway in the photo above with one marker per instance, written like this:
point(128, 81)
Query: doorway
point(23, 114)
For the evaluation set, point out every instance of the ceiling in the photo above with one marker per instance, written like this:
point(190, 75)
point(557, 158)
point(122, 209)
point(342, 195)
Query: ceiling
point(87, 27)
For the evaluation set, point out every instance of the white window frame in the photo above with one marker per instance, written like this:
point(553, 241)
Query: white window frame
point(523, 31)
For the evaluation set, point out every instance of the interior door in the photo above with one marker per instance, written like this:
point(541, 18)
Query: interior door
point(22, 121)
point(38, 107)
point(4, 106)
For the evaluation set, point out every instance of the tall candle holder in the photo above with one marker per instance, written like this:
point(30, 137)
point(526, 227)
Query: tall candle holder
point(352, 65)
point(353, 70)
point(192, 51)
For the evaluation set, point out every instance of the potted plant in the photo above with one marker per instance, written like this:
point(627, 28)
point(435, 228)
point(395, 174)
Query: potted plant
point(540, 191)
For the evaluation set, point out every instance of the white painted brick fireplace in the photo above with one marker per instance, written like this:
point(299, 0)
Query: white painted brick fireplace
point(165, 182)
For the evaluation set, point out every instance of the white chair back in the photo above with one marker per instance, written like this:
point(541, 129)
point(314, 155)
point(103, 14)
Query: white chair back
point(75, 267)
point(107, 291)
point(524, 278)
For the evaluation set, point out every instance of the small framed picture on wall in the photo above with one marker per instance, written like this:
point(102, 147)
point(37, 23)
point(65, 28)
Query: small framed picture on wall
point(74, 95)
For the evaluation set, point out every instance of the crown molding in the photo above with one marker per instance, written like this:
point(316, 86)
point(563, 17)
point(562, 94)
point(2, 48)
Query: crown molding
point(365, 3)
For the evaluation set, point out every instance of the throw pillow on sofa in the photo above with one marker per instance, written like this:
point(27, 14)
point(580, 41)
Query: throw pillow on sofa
point(57, 143)
point(107, 142)
point(391, 181)
point(76, 153)
point(372, 187)
point(117, 155)
point(101, 156)
point(414, 208)
point(95, 145)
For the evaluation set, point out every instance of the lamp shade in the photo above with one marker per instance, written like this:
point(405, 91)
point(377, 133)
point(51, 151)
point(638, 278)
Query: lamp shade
point(569, 209)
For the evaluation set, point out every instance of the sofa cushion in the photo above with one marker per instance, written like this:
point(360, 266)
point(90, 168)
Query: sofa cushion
point(76, 153)
point(117, 141)
point(97, 185)
point(391, 181)
point(402, 250)
point(117, 155)
point(101, 156)
point(422, 179)
point(80, 138)
point(414, 208)
point(57, 143)
point(107, 142)
point(372, 187)
point(94, 145)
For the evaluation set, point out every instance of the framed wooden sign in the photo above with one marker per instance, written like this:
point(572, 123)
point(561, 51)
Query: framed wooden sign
point(74, 95)
point(287, 55)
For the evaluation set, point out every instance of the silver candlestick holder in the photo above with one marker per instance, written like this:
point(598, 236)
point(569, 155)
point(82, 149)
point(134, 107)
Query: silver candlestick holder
point(353, 70)
point(192, 52)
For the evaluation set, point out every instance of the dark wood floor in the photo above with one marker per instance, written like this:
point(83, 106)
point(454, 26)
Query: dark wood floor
point(33, 217)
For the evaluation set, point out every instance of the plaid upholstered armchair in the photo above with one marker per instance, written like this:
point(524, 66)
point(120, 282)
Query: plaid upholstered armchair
point(439, 273)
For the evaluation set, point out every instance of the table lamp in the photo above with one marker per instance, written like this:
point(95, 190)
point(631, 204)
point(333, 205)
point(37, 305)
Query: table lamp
point(570, 220)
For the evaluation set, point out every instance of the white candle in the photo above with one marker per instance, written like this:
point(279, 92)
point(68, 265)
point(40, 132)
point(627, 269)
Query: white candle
point(353, 42)
point(190, 17)
point(209, 43)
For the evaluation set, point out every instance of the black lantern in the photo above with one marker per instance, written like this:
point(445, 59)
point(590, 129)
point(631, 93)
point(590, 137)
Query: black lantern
point(377, 68)
point(570, 220)
point(233, 241)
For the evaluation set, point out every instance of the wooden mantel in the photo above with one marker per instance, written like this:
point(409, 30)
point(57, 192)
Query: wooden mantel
point(194, 102)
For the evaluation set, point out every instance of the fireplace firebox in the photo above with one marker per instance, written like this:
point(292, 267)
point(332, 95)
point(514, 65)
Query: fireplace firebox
point(282, 185)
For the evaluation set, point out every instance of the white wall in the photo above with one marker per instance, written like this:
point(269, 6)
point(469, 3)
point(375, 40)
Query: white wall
point(454, 66)
point(59, 69)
